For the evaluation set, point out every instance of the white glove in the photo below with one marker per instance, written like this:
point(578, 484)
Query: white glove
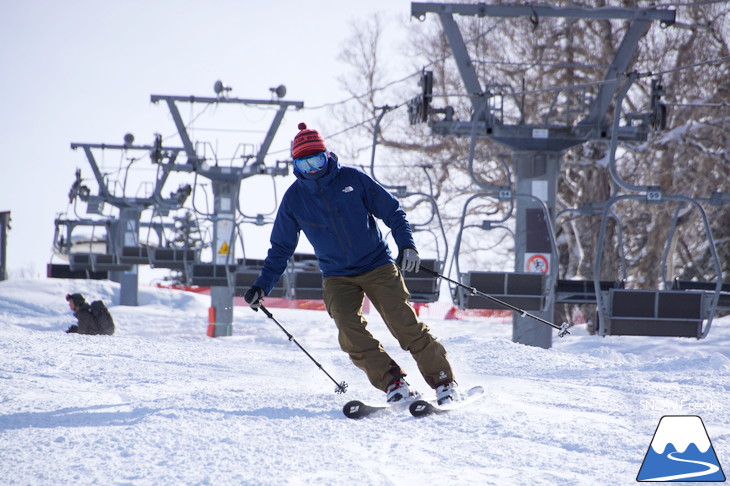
point(409, 260)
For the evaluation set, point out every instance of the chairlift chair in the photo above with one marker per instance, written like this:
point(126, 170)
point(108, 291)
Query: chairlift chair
point(526, 290)
point(657, 312)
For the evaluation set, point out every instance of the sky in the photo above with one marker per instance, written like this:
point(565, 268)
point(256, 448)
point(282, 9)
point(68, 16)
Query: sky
point(159, 403)
point(82, 71)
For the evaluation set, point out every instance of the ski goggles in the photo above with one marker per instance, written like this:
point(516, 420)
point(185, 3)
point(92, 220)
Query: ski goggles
point(312, 163)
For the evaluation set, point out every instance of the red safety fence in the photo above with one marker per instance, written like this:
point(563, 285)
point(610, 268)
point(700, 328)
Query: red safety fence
point(435, 310)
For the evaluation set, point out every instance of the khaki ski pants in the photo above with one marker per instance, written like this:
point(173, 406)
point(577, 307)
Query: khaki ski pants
point(387, 291)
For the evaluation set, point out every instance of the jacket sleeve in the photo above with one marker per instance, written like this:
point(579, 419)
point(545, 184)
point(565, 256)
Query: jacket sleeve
point(284, 239)
point(385, 206)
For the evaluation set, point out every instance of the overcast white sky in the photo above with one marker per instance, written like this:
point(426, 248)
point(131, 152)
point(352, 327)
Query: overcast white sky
point(84, 70)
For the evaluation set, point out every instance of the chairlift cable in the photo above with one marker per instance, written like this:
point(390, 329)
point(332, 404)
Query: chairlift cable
point(597, 83)
point(405, 78)
point(536, 91)
point(690, 66)
point(542, 63)
point(191, 122)
point(363, 95)
point(231, 130)
point(724, 104)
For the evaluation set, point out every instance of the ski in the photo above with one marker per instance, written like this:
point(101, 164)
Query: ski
point(421, 408)
point(356, 409)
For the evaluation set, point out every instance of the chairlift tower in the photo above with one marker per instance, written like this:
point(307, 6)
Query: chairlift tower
point(537, 149)
point(4, 227)
point(226, 183)
point(124, 230)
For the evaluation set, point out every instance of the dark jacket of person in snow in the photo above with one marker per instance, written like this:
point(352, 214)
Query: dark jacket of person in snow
point(92, 319)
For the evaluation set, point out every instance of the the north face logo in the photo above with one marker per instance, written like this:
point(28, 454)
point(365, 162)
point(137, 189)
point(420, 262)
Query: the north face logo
point(348, 189)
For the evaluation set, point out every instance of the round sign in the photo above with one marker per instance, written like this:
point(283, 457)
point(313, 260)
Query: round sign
point(537, 264)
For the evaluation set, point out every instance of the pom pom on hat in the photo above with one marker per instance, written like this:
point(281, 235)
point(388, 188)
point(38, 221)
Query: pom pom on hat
point(306, 142)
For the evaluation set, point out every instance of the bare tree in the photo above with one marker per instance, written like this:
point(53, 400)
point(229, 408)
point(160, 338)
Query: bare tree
point(690, 157)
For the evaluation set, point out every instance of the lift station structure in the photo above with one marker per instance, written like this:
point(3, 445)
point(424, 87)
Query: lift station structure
point(122, 233)
point(222, 273)
point(122, 249)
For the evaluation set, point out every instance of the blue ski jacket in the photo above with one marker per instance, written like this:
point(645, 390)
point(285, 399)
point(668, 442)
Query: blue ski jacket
point(336, 209)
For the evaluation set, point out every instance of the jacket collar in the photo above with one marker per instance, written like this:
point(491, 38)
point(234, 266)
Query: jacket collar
point(324, 177)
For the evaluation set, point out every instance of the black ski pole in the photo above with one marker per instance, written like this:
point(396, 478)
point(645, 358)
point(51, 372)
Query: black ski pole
point(563, 329)
point(341, 387)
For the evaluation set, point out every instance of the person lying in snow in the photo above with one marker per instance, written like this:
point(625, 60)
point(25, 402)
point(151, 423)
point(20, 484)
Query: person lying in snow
point(92, 318)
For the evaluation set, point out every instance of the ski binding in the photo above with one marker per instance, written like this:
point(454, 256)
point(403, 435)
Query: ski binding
point(421, 408)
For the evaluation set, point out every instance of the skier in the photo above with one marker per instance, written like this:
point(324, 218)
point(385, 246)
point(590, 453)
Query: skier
point(92, 319)
point(336, 206)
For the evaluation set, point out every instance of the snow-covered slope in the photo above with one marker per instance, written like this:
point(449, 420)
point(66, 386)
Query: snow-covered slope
point(159, 403)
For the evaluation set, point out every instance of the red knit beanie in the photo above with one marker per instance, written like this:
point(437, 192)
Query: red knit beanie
point(306, 142)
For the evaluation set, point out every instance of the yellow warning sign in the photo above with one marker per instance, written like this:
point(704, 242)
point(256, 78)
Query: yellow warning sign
point(224, 249)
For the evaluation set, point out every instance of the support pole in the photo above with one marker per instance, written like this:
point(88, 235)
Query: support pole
point(221, 299)
point(536, 174)
point(225, 195)
point(125, 232)
point(4, 227)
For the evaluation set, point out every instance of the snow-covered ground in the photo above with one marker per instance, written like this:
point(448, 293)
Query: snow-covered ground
point(159, 403)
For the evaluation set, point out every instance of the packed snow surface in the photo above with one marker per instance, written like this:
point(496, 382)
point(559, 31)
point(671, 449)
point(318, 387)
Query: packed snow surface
point(159, 403)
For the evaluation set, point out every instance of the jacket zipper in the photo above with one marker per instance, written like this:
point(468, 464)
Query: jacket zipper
point(331, 216)
point(344, 228)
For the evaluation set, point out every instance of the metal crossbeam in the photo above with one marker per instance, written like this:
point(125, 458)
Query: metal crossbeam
point(485, 10)
point(528, 137)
